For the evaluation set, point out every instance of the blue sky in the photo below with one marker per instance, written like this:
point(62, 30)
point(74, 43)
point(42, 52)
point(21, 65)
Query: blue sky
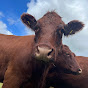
point(11, 10)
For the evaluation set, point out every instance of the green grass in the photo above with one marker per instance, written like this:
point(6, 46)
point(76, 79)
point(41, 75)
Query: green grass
point(1, 85)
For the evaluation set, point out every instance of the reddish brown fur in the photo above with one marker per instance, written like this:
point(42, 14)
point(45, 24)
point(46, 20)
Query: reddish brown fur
point(10, 46)
point(13, 47)
point(16, 58)
point(62, 80)
point(58, 79)
point(48, 32)
point(53, 77)
point(18, 64)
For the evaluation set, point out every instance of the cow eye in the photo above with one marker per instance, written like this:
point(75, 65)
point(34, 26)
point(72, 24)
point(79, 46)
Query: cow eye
point(62, 30)
point(57, 31)
point(59, 34)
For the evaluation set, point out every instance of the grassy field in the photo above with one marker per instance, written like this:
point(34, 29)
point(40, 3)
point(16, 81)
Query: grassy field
point(0, 85)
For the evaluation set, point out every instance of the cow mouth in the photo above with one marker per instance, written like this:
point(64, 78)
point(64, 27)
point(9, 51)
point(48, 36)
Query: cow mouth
point(73, 72)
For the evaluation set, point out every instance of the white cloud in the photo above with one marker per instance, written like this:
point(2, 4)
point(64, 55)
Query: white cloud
point(69, 10)
point(29, 31)
point(1, 14)
point(3, 26)
point(3, 29)
point(11, 21)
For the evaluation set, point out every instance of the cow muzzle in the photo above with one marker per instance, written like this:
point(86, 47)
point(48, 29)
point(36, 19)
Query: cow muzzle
point(44, 53)
point(80, 71)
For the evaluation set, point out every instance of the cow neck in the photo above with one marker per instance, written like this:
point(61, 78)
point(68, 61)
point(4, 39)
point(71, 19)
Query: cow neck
point(45, 73)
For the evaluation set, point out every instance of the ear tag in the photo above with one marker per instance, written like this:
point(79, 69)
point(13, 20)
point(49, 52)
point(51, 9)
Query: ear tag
point(71, 31)
point(28, 22)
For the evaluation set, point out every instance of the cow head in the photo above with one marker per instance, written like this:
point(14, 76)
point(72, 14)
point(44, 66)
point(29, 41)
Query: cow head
point(48, 34)
point(67, 61)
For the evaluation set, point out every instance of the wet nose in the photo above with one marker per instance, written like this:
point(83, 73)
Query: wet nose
point(80, 71)
point(44, 51)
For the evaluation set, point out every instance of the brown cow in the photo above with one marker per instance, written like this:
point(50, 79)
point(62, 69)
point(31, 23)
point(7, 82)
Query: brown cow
point(62, 80)
point(24, 58)
point(58, 79)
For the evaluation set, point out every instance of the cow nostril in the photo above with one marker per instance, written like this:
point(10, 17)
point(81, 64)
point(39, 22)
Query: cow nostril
point(80, 71)
point(50, 52)
point(37, 50)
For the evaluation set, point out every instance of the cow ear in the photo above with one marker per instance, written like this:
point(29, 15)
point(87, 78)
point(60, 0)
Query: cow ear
point(72, 27)
point(29, 20)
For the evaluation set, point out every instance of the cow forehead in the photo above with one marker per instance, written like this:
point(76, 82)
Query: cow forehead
point(52, 15)
point(51, 19)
